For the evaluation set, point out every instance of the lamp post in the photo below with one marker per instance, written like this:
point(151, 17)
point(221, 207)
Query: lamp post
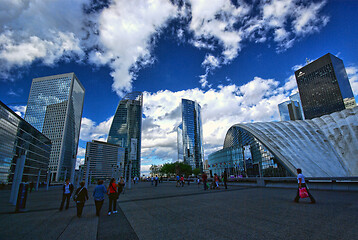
point(48, 179)
point(87, 171)
point(38, 180)
point(130, 175)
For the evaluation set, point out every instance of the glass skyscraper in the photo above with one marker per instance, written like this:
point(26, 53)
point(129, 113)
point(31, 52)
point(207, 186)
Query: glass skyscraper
point(324, 87)
point(191, 140)
point(55, 108)
point(126, 130)
point(292, 109)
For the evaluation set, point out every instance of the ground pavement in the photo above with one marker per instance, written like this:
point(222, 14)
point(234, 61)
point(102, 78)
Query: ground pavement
point(170, 212)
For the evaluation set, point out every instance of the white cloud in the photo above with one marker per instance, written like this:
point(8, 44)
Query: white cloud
point(221, 108)
point(352, 73)
point(126, 32)
point(91, 131)
point(81, 152)
point(19, 110)
point(79, 161)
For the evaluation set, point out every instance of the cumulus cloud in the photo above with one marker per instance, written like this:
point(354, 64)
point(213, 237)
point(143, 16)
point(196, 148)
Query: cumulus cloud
point(122, 34)
point(19, 110)
point(90, 130)
point(256, 100)
point(352, 73)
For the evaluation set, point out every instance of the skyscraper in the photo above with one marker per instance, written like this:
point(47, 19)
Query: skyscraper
point(292, 109)
point(324, 87)
point(126, 130)
point(105, 160)
point(192, 134)
point(55, 108)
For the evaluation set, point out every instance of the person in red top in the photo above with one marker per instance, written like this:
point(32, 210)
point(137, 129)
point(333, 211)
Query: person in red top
point(182, 181)
point(216, 179)
point(205, 178)
point(112, 191)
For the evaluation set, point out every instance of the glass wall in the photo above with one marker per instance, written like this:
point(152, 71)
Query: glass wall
point(244, 156)
point(18, 138)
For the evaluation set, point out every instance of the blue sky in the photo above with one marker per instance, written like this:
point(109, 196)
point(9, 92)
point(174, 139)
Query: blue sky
point(236, 58)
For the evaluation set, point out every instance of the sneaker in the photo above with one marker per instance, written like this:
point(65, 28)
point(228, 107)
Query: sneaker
point(109, 213)
point(114, 211)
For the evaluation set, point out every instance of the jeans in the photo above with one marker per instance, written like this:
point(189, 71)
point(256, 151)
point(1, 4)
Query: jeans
point(98, 206)
point(204, 182)
point(67, 198)
point(297, 198)
point(80, 206)
point(112, 202)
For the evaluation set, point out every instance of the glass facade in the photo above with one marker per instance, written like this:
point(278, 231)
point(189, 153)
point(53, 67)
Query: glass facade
point(126, 129)
point(245, 156)
point(180, 142)
point(192, 135)
point(290, 110)
point(55, 107)
point(324, 87)
point(106, 160)
point(19, 138)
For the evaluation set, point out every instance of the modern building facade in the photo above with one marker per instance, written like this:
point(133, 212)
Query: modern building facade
point(321, 147)
point(18, 139)
point(55, 108)
point(126, 131)
point(292, 109)
point(191, 140)
point(105, 160)
point(324, 87)
point(180, 142)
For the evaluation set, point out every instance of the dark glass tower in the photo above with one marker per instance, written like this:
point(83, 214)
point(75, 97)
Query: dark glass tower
point(55, 108)
point(324, 87)
point(192, 134)
point(126, 129)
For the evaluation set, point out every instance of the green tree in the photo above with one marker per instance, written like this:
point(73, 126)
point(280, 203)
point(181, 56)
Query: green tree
point(154, 169)
point(196, 171)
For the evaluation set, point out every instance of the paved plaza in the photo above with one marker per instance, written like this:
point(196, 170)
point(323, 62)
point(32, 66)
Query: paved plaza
point(169, 212)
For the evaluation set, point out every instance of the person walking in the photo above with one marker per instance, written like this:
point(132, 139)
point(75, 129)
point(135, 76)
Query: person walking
point(152, 179)
point(81, 195)
point(67, 190)
point(31, 186)
point(224, 177)
point(302, 184)
point(178, 181)
point(198, 181)
point(205, 178)
point(216, 180)
point(182, 180)
point(98, 195)
point(121, 185)
point(112, 196)
point(156, 180)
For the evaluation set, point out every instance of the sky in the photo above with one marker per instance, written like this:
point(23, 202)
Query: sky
point(235, 58)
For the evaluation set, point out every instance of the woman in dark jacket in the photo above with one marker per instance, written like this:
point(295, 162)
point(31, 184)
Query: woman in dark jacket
point(81, 196)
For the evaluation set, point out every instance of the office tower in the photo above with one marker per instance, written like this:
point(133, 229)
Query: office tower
point(105, 160)
point(291, 110)
point(324, 87)
point(192, 134)
point(126, 130)
point(55, 108)
point(18, 139)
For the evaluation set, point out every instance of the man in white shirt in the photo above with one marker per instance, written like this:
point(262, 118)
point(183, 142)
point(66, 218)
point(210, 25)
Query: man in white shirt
point(302, 184)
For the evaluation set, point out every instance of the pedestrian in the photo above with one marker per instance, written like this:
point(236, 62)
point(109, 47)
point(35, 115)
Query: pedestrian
point(113, 195)
point(198, 181)
point(225, 179)
point(121, 185)
point(182, 181)
point(67, 190)
point(302, 184)
point(81, 195)
point(31, 185)
point(216, 180)
point(152, 179)
point(188, 181)
point(156, 180)
point(178, 181)
point(205, 178)
point(98, 195)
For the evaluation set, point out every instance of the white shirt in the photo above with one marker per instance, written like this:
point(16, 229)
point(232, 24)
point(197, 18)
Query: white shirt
point(302, 178)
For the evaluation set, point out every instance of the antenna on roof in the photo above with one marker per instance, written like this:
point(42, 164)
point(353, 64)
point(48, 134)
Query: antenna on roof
point(308, 61)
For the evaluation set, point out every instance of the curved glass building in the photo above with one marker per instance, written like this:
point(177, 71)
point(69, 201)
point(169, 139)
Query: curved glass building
point(126, 129)
point(322, 147)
